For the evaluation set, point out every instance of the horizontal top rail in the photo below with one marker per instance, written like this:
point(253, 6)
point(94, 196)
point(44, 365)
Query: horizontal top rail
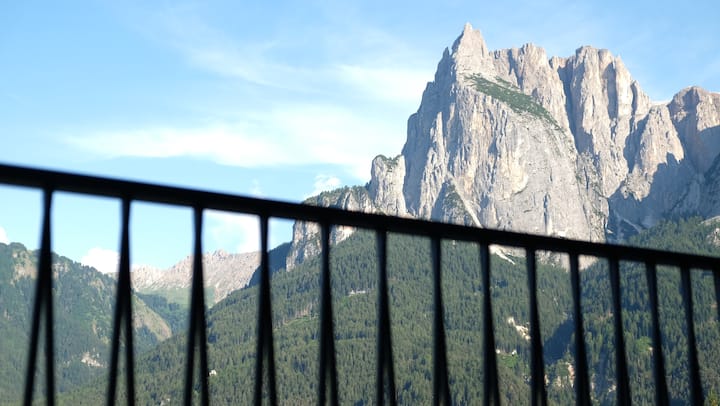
point(153, 193)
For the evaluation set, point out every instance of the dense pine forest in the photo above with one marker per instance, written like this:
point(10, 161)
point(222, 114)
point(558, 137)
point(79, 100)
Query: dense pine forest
point(232, 327)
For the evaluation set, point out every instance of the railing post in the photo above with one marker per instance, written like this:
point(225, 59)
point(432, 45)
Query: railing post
point(328, 369)
point(538, 393)
point(265, 343)
point(696, 393)
point(716, 280)
point(385, 366)
point(621, 370)
point(582, 382)
point(123, 313)
point(661, 390)
point(441, 384)
point(491, 389)
point(198, 327)
point(43, 302)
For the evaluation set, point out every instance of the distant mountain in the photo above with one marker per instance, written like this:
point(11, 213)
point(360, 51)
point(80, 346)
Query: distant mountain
point(223, 273)
point(83, 300)
point(512, 139)
point(232, 324)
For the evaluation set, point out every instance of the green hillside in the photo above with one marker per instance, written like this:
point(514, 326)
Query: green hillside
point(693, 236)
point(84, 300)
point(232, 328)
point(232, 325)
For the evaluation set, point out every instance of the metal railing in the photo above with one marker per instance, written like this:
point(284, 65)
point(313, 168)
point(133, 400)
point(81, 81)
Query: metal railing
point(50, 182)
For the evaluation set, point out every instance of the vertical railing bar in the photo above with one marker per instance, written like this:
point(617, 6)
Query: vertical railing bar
point(197, 329)
point(490, 380)
point(582, 382)
point(716, 279)
point(441, 386)
point(46, 265)
point(43, 302)
point(661, 389)
point(696, 393)
point(621, 369)
point(123, 312)
point(265, 343)
point(327, 336)
point(537, 364)
point(129, 342)
point(384, 338)
point(198, 280)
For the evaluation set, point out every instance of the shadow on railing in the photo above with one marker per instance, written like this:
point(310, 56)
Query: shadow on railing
point(128, 192)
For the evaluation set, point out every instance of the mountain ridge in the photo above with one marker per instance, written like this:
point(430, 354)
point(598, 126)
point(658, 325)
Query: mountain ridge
point(84, 301)
point(514, 139)
point(223, 273)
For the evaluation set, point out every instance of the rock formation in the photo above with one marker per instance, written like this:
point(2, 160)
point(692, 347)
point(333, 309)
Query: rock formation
point(512, 139)
point(223, 273)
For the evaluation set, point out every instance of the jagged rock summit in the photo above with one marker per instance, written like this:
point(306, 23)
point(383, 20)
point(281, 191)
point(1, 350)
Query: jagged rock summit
point(512, 139)
point(223, 272)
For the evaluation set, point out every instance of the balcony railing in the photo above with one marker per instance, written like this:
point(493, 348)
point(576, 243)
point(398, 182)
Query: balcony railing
point(127, 192)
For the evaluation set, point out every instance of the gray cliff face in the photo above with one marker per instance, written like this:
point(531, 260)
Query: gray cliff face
point(695, 113)
point(306, 236)
point(485, 148)
point(604, 106)
point(387, 177)
point(573, 147)
point(672, 157)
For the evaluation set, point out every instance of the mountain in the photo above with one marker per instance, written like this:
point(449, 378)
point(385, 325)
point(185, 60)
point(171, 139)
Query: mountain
point(232, 327)
point(83, 303)
point(223, 273)
point(512, 139)
point(232, 324)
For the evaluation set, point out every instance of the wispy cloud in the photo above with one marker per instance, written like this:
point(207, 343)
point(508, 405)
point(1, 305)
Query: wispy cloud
point(256, 190)
point(324, 183)
point(234, 232)
point(298, 135)
point(104, 260)
point(402, 86)
point(326, 108)
point(201, 42)
point(3, 236)
point(259, 64)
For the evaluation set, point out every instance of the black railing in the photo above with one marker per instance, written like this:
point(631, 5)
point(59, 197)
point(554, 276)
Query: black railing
point(128, 192)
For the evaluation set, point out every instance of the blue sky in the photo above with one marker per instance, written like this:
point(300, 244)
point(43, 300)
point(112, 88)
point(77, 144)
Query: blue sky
point(280, 100)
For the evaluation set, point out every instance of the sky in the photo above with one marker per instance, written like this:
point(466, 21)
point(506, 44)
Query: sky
point(279, 100)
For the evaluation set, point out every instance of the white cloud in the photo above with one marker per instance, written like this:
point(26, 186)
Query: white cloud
point(349, 111)
point(292, 135)
point(104, 260)
point(256, 190)
point(3, 236)
point(402, 86)
point(234, 232)
point(324, 183)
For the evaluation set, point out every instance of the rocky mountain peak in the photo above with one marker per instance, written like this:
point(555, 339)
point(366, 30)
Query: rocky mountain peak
point(223, 273)
point(469, 50)
point(566, 146)
point(696, 113)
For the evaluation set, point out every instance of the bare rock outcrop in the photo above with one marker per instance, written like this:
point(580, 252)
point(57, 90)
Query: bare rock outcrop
point(306, 236)
point(512, 139)
point(223, 274)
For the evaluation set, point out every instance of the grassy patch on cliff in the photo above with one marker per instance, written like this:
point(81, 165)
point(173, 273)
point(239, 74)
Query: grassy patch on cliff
point(509, 94)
